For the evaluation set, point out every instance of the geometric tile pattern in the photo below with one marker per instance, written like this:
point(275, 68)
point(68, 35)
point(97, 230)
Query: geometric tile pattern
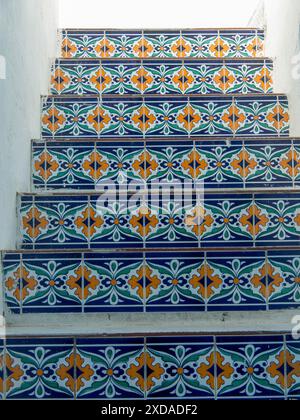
point(152, 368)
point(84, 77)
point(152, 281)
point(241, 164)
point(206, 43)
point(164, 116)
point(228, 220)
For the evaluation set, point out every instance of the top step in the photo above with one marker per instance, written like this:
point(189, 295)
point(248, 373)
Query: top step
point(186, 43)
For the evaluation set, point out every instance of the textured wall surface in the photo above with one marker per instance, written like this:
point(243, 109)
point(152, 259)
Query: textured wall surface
point(282, 20)
point(27, 43)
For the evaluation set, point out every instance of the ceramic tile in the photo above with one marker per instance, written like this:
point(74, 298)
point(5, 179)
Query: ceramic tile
point(79, 77)
point(254, 367)
point(16, 282)
point(224, 221)
point(40, 369)
point(292, 368)
point(276, 219)
point(246, 368)
point(150, 117)
point(154, 281)
point(235, 281)
point(214, 164)
point(116, 283)
point(175, 282)
point(110, 369)
point(162, 44)
point(283, 286)
point(134, 220)
point(176, 366)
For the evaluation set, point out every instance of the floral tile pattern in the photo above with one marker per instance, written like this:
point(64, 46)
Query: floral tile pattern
point(173, 281)
point(85, 77)
point(158, 108)
point(251, 368)
point(163, 44)
point(78, 284)
point(217, 164)
point(283, 272)
point(149, 117)
point(174, 367)
point(292, 365)
point(217, 220)
point(178, 368)
point(39, 369)
point(112, 369)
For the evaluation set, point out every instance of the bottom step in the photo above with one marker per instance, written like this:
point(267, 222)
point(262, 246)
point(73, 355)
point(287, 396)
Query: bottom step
point(174, 367)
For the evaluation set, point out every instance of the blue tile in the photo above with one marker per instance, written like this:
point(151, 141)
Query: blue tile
point(292, 367)
point(40, 369)
point(236, 281)
point(57, 283)
point(245, 367)
point(283, 279)
point(15, 284)
point(110, 369)
point(175, 282)
point(175, 367)
point(119, 283)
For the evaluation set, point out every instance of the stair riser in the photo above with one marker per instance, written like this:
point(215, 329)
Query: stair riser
point(151, 368)
point(163, 44)
point(150, 77)
point(218, 164)
point(224, 116)
point(152, 282)
point(229, 220)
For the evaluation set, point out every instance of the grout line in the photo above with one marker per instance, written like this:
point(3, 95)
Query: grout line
point(82, 263)
point(75, 367)
point(145, 352)
point(5, 377)
point(286, 391)
point(20, 281)
point(206, 281)
point(294, 153)
point(144, 282)
point(89, 221)
point(267, 281)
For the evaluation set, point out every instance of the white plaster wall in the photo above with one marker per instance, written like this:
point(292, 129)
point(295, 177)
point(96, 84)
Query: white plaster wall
point(282, 21)
point(27, 41)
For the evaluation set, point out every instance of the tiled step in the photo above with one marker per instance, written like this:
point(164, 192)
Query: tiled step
point(102, 221)
point(72, 282)
point(200, 43)
point(219, 164)
point(164, 116)
point(148, 77)
point(173, 367)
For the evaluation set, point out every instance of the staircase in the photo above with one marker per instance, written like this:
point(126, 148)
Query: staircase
point(134, 109)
